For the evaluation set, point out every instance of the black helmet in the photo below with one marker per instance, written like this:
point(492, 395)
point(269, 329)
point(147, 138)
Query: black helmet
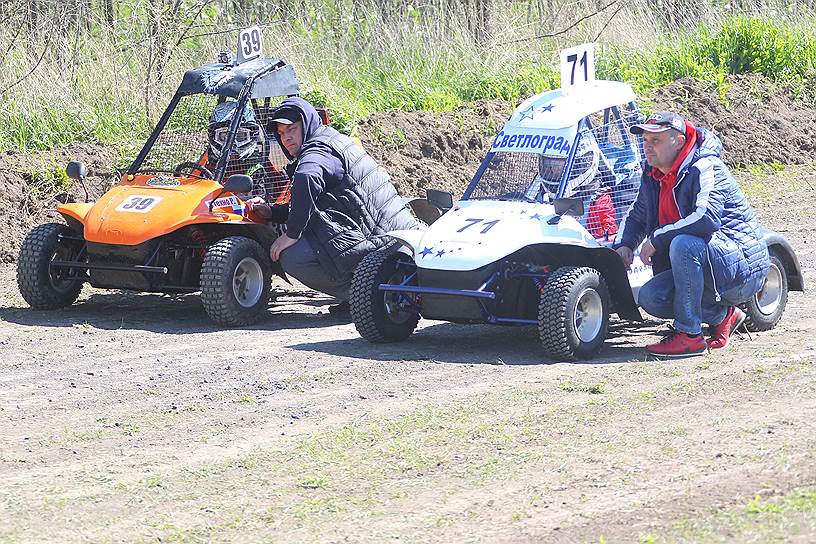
point(247, 138)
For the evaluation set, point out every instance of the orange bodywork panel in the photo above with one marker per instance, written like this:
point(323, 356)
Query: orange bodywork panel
point(143, 207)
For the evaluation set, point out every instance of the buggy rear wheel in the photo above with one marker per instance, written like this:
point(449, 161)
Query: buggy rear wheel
point(573, 313)
point(235, 281)
point(42, 287)
point(382, 316)
point(764, 310)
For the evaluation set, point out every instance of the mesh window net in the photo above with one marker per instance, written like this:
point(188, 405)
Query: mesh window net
point(198, 131)
point(605, 174)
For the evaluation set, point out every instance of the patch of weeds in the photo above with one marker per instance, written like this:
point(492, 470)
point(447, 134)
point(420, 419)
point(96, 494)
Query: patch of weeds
point(313, 482)
point(388, 139)
point(128, 429)
point(577, 385)
point(678, 430)
point(151, 392)
point(320, 506)
point(195, 406)
point(519, 515)
point(47, 180)
point(773, 519)
point(152, 482)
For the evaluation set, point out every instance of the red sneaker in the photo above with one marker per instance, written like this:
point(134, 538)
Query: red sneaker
point(722, 332)
point(678, 344)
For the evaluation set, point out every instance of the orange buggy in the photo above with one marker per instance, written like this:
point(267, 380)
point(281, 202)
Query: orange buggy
point(177, 221)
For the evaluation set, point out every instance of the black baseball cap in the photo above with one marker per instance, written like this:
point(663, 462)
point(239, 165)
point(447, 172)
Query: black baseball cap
point(660, 121)
point(286, 116)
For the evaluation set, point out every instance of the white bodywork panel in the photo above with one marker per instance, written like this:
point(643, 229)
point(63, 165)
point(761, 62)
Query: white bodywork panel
point(476, 233)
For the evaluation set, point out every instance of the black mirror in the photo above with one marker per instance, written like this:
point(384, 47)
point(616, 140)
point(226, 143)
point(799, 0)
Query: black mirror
point(569, 206)
point(75, 170)
point(238, 183)
point(441, 199)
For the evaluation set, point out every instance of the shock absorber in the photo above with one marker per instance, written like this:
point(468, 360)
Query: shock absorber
point(198, 237)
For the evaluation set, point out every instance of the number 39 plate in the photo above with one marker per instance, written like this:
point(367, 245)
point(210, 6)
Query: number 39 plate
point(138, 204)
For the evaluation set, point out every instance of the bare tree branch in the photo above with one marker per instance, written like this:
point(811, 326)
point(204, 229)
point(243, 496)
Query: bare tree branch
point(606, 24)
point(564, 30)
point(39, 60)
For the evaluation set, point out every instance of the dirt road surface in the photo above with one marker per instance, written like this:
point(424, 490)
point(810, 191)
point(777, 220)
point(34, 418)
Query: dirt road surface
point(131, 418)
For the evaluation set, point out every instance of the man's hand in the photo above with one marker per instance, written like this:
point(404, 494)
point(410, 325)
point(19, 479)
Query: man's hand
point(647, 251)
point(627, 255)
point(281, 243)
point(252, 202)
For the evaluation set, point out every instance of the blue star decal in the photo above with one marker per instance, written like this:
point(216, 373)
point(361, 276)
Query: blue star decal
point(535, 216)
point(548, 107)
point(440, 252)
point(528, 113)
point(427, 251)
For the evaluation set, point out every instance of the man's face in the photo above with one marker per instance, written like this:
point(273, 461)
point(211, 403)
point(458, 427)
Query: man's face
point(662, 148)
point(291, 136)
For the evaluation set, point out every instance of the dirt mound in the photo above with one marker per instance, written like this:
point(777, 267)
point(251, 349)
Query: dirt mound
point(33, 184)
point(757, 120)
point(433, 150)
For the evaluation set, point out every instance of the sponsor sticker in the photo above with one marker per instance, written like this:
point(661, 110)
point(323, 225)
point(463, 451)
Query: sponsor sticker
point(231, 203)
point(163, 181)
point(538, 143)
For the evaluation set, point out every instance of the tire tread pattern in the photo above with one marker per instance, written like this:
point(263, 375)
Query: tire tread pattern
point(216, 281)
point(552, 311)
point(33, 276)
point(365, 295)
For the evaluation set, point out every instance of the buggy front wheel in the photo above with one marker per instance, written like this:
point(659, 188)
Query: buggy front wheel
point(42, 286)
point(235, 281)
point(382, 316)
point(573, 313)
point(764, 310)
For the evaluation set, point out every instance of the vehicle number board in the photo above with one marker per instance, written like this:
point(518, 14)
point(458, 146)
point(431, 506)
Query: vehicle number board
point(138, 203)
point(250, 44)
point(577, 66)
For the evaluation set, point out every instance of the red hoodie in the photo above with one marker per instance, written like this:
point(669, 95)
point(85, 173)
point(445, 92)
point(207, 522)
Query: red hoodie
point(667, 211)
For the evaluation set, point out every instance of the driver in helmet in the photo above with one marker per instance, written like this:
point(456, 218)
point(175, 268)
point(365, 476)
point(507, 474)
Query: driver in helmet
point(590, 179)
point(270, 186)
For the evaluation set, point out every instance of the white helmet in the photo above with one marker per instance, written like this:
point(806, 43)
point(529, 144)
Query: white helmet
point(583, 178)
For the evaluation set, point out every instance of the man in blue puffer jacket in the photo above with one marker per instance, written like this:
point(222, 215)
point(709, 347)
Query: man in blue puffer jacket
point(702, 237)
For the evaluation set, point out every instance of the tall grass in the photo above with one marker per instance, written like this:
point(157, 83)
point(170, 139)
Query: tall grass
point(99, 89)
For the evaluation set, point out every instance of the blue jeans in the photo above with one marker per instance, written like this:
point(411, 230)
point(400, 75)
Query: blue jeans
point(686, 291)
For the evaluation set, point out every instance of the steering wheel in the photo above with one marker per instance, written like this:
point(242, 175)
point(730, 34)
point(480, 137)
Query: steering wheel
point(205, 172)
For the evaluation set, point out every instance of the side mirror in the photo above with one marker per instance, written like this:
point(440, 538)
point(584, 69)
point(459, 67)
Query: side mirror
point(238, 183)
point(75, 170)
point(441, 199)
point(569, 206)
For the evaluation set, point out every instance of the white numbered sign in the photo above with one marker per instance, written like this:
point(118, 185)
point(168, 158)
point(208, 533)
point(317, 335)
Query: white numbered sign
point(138, 204)
point(577, 66)
point(250, 44)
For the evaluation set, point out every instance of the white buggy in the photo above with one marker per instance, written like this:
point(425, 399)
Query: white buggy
point(529, 242)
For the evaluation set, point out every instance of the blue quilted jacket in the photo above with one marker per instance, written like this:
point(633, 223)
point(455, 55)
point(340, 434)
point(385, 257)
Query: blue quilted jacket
point(713, 207)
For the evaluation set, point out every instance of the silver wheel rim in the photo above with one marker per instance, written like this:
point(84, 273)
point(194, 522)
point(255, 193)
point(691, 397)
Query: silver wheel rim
point(588, 316)
point(770, 296)
point(247, 282)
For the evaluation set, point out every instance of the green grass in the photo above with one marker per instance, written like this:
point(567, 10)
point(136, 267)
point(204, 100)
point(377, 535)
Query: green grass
point(759, 520)
point(369, 67)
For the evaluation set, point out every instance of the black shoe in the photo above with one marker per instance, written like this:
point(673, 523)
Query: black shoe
point(342, 310)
